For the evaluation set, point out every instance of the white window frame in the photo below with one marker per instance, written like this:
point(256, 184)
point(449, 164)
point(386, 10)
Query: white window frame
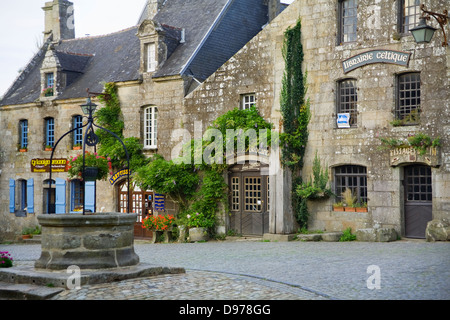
point(150, 127)
point(151, 61)
point(248, 100)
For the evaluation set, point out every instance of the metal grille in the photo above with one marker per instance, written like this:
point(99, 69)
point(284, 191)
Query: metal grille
point(418, 183)
point(348, 98)
point(353, 177)
point(252, 197)
point(408, 95)
point(235, 194)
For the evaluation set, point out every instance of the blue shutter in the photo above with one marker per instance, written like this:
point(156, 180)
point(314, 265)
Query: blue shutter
point(60, 201)
point(89, 196)
point(30, 195)
point(12, 195)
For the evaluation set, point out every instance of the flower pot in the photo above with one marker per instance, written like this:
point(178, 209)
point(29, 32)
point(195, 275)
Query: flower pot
point(48, 149)
point(90, 173)
point(22, 150)
point(338, 208)
point(349, 209)
point(361, 209)
point(27, 236)
point(76, 148)
point(198, 234)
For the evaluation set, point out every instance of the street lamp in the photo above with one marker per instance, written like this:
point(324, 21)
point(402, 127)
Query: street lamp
point(89, 107)
point(423, 32)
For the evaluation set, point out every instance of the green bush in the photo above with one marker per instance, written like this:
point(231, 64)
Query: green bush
point(347, 235)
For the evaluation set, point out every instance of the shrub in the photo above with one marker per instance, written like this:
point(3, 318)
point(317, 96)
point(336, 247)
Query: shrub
point(347, 235)
point(6, 261)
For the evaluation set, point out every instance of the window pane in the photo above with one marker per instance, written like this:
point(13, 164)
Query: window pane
point(348, 99)
point(353, 177)
point(408, 102)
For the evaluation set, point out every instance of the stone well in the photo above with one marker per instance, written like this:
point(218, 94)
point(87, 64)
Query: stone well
point(94, 241)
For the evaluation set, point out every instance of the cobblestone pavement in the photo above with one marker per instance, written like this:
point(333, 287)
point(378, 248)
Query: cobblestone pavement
point(408, 270)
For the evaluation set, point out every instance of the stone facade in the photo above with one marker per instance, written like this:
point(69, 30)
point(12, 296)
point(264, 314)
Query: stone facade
point(258, 68)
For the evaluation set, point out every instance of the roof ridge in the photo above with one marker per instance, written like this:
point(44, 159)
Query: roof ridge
point(100, 36)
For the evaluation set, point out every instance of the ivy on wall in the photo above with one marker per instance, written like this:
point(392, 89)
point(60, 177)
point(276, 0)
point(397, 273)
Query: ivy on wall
point(110, 117)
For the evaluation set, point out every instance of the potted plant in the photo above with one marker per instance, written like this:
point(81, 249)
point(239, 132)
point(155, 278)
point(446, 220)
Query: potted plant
point(198, 224)
point(77, 146)
point(48, 148)
point(338, 206)
point(6, 261)
point(23, 149)
point(48, 92)
point(160, 224)
point(27, 233)
point(349, 200)
point(361, 207)
point(95, 167)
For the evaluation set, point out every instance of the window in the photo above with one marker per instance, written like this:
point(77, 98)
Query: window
point(49, 80)
point(347, 99)
point(76, 195)
point(77, 122)
point(150, 127)
point(347, 21)
point(247, 100)
point(150, 53)
point(49, 132)
point(23, 194)
point(354, 178)
point(408, 97)
point(23, 134)
point(409, 15)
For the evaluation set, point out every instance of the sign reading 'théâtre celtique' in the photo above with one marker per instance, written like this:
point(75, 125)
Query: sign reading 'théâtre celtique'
point(376, 56)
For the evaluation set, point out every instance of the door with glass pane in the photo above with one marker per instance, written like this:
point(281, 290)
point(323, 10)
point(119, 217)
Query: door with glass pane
point(418, 200)
point(249, 204)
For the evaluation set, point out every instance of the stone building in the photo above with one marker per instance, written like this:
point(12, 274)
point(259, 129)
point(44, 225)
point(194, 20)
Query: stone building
point(364, 67)
point(367, 79)
point(176, 45)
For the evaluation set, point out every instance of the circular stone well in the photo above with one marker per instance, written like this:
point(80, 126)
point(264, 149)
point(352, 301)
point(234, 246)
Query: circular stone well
point(94, 241)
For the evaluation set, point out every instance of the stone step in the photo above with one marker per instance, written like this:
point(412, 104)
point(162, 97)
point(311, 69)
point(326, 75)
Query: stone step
point(14, 291)
point(36, 239)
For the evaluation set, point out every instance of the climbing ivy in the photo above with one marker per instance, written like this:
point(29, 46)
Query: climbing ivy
point(295, 113)
point(110, 117)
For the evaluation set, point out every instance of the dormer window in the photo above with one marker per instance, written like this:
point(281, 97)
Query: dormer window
point(49, 84)
point(150, 53)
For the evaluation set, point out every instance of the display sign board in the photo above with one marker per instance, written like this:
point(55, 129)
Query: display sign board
point(119, 174)
point(376, 56)
point(43, 165)
point(159, 204)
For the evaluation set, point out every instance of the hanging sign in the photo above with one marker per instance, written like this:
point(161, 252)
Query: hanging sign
point(376, 56)
point(119, 174)
point(159, 202)
point(43, 165)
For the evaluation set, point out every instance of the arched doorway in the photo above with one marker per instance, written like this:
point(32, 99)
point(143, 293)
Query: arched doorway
point(418, 199)
point(249, 199)
point(141, 204)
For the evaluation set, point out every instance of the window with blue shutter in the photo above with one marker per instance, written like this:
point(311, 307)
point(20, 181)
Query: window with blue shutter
point(89, 195)
point(23, 134)
point(77, 122)
point(60, 198)
point(12, 195)
point(23, 194)
point(49, 132)
point(76, 195)
point(30, 195)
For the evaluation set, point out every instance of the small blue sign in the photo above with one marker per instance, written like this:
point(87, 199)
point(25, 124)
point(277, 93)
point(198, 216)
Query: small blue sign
point(343, 120)
point(159, 203)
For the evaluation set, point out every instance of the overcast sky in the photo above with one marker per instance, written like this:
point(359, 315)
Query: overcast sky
point(22, 24)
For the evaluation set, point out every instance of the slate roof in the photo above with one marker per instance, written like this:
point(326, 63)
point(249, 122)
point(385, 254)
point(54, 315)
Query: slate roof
point(214, 31)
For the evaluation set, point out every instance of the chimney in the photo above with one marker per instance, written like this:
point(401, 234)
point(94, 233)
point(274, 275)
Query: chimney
point(59, 20)
point(153, 6)
point(274, 8)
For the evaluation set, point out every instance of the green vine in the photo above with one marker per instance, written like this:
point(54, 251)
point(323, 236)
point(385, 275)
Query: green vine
point(110, 117)
point(295, 111)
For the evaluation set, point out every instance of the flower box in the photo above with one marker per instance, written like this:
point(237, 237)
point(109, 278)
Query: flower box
point(349, 209)
point(23, 150)
point(338, 208)
point(90, 173)
point(361, 209)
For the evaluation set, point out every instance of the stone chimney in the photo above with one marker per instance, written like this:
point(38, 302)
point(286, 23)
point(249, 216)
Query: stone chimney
point(59, 20)
point(274, 8)
point(153, 6)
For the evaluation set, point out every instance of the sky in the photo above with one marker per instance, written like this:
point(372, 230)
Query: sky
point(22, 26)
